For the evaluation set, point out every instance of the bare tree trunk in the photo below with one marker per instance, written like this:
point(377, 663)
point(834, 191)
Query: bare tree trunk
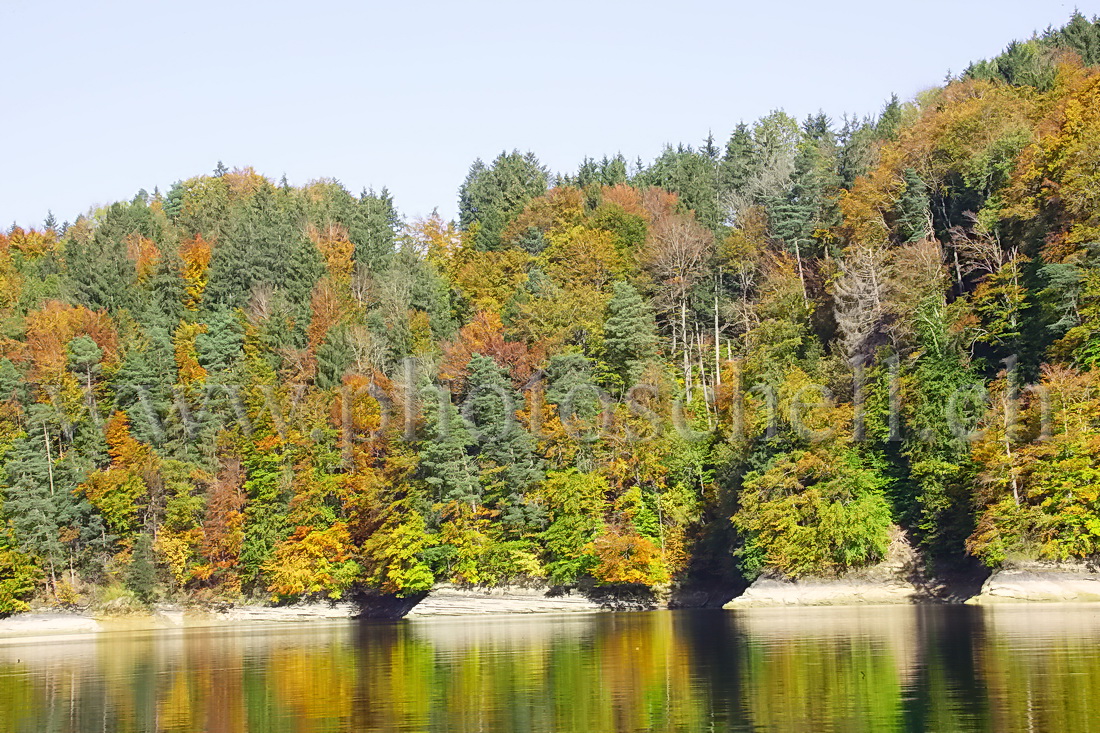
point(717, 343)
point(687, 348)
point(49, 457)
point(801, 275)
point(703, 380)
point(958, 268)
point(1010, 422)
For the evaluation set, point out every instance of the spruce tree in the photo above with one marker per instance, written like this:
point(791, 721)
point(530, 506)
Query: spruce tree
point(491, 196)
point(372, 228)
point(445, 462)
point(737, 163)
point(141, 575)
point(913, 208)
point(630, 334)
point(505, 450)
point(99, 272)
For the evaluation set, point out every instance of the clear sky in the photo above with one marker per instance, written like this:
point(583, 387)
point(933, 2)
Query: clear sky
point(104, 98)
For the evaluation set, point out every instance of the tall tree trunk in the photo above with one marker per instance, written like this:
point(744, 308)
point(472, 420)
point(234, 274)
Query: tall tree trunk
point(49, 457)
point(801, 275)
point(717, 344)
point(703, 379)
point(687, 348)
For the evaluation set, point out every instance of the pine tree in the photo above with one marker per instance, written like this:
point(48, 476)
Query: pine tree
point(84, 358)
point(445, 461)
point(39, 502)
point(12, 385)
point(141, 575)
point(914, 218)
point(737, 163)
point(505, 450)
point(491, 196)
point(629, 334)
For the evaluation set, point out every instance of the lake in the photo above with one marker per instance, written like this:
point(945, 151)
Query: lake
point(944, 668)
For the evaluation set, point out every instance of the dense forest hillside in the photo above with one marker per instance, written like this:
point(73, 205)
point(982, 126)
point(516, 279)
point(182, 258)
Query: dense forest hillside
point(770, 354)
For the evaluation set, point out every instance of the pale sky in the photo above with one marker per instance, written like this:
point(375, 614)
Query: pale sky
point(104, 98)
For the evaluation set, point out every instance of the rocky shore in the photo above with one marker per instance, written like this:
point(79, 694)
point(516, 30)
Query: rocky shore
point(1041, 583)
point(896, 581)
point(444, 600)
point(842, 591)
point(893, 583)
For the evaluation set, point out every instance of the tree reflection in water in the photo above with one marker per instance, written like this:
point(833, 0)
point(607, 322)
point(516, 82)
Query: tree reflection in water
point(873, 669)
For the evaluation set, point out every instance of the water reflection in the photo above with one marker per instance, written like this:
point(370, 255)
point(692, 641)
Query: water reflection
point(913, 668)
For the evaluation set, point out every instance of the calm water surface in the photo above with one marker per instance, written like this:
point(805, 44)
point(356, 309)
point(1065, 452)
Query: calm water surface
point(880, 669)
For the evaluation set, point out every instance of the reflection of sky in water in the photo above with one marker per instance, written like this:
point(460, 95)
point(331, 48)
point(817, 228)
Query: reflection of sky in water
point(873, 669)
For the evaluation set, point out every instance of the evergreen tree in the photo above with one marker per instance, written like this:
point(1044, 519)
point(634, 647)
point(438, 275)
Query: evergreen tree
point(98, 268)
point(373, 229)
point(445, 462)
point(693, 176)
point(19, 576)
point(913, 215)
point(265, 248)
point(491, 196)
point(12, 385)
point(84, 358)
point(505, 450)
point(737, 163)
point(857, 140)
point(141, 574)
point(629, 334)
point(334, 356)
point(40, 503)
point(810, 202)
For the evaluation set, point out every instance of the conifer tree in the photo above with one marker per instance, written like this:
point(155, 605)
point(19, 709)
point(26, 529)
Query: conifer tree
point(141, 575)
point(914, 217)
point(505, 450)
point(629, 334)
point(491, 196)
point(445, 461)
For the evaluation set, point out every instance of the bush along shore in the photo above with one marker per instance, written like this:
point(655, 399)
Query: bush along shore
point(764, 358)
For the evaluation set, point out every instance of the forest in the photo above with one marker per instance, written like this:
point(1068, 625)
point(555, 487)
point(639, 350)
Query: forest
point(775, 354)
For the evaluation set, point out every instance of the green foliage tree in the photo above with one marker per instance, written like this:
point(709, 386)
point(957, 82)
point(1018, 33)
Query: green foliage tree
point(491, 195)
point(505, 450)
point(630, 336)
point(141, 574)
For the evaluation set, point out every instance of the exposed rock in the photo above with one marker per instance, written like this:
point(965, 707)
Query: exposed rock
point(448, 600)
point(444, 600)
point(842, 591)
point(897, 579)
point(1041, 582)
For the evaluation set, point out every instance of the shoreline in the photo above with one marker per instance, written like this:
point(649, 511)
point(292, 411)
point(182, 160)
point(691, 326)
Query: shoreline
point(1029, 584)
point(443, 601)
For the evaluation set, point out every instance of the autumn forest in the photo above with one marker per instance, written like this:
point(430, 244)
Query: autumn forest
point(777, 352)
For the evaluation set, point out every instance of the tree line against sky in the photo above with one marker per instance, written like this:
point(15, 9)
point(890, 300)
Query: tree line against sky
point(774, 354)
